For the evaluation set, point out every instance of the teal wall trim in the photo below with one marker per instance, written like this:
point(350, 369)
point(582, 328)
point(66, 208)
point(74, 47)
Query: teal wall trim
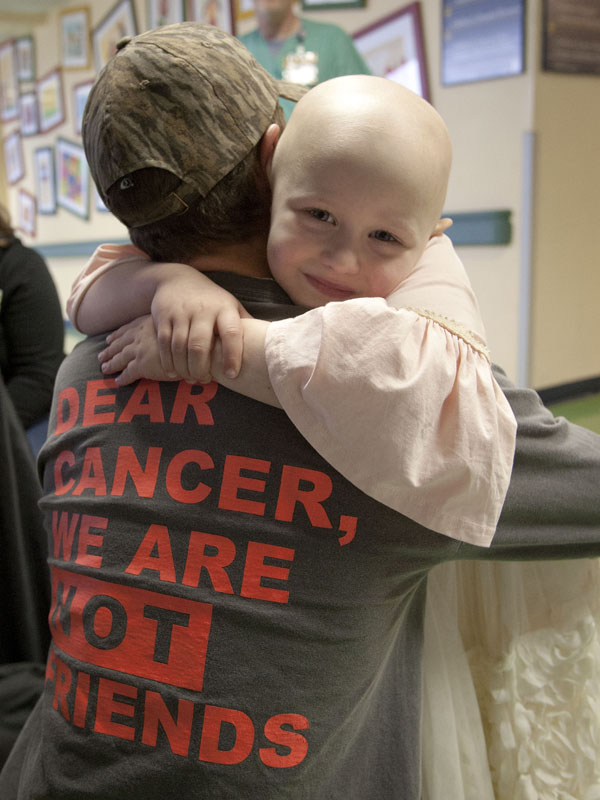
point(480, 227)
point(73, 249)
point(473, 227)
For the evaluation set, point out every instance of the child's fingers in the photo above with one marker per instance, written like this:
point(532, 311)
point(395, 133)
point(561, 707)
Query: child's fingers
point(164, 337)
point(231, 333)
point(198, 350)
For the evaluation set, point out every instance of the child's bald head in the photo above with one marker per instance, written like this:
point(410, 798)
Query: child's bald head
point(378, 124)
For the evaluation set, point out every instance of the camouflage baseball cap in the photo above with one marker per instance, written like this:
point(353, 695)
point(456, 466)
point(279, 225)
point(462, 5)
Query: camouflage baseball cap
point(187, 98)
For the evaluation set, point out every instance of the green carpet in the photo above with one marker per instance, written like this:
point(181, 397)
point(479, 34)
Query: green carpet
point(584, 411)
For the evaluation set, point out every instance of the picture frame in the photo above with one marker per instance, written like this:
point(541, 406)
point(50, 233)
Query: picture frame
point(570, 37)
point(314, 5)
point(25, 52)
point(212, 12)
point(26, 212)
point(75, 38)
point(393, 47)
point(119, 22)
point(13, 157)
point(50, 98)
point(29, 114)
point(72, 178)
point(80, 96)
point(45, 180)
point(164, 12)
point(9, 85)
point(482, 40)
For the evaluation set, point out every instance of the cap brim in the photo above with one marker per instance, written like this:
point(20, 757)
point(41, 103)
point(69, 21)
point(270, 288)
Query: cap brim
point(291, 91)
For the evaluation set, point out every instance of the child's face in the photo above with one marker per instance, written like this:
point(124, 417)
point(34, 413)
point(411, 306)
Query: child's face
point(344, 228)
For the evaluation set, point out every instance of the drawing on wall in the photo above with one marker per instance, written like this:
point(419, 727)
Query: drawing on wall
point(80, 96)
point(119, 22)
point(51, 107)
point(393, 48)
point(45, 184)
point(164, 12)
point(28, 112)
point(212, 12)
point(75, 38)
point(72, 178)
point(25, 59)
point(13, 157)
point(9, 85)
point(26, 212)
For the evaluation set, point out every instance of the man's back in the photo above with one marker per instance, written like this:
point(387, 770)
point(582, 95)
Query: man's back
point(230, 618)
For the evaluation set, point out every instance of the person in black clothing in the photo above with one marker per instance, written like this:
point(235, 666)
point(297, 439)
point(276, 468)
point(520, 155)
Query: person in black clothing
point(31, 331)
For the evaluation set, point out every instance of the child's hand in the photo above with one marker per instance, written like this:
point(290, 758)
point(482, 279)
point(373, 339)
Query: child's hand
point(133, 351)
point(189, 311)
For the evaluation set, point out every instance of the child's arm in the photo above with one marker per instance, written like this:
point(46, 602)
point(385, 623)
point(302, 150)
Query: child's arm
point(119, 283)
point(132, 351)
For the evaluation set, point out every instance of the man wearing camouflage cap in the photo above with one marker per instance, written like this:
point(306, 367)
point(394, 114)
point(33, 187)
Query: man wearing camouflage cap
point(231, 619)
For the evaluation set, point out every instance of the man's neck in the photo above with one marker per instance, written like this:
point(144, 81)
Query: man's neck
point(274, 28)
point(244, 258)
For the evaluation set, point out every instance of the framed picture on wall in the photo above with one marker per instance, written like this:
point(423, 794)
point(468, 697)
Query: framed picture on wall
point(13, 157)
point(80, 96)
point(26, 212)
point(393, 48)
point(164, 12)
point(481, 40)
point(25, 59)
point(51, 105)
point(72, 178)
point(9, 85)
point(211, 12)
point(571, 37)
point(119, 22)
point(45, 183)
point(29, 114)
point(75, 38)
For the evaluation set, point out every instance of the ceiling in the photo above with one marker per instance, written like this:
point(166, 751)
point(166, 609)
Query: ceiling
point(19, 17)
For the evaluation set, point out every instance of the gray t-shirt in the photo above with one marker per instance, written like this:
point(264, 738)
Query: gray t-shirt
point(233, 620)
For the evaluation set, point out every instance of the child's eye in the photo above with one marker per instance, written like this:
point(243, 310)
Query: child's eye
point(320, 214)
point(383, 236)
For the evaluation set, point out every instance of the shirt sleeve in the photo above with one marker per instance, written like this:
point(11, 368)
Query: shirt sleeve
point(104, 258)
point(404, 406)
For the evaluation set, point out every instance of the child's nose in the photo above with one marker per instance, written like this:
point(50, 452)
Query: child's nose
point(341, 257)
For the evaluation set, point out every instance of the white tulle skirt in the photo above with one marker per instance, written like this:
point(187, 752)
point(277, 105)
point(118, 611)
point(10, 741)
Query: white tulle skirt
point(511, 681)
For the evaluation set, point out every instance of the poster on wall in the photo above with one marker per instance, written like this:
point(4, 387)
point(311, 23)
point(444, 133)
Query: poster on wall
point(482, 39)
point(75, 38)
point(13, 157)
point(211, 12)
point(25, 59)
point(164, 12)
point(9, 85)
point(51, 106)
point(72, 178)
point(26, 212)
point(572, 36)
point(393, 48)
point(119, 22)
point(45, 184)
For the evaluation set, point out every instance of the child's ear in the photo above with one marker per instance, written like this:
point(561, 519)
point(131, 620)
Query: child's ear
point(268, 143)
point(441, 226)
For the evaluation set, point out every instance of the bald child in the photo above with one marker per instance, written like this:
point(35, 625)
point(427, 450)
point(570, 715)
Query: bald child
point(396, 393)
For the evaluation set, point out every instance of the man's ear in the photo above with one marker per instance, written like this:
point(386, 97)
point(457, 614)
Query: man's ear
point(268, 143)
point(441, 226)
